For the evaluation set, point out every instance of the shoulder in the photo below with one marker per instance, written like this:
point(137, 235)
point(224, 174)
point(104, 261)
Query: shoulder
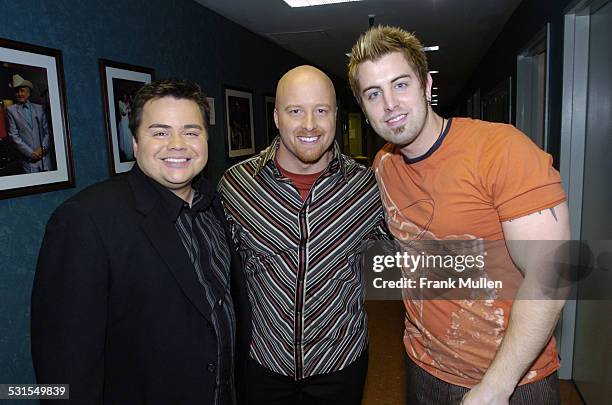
point(37, 107)
point(239, 172)
point(248, 165)
point(488, 142)
point(357, 173)
point(352, 167)
point(487, 133)
point(100, 199)
point(12, 109)
point(388, 154)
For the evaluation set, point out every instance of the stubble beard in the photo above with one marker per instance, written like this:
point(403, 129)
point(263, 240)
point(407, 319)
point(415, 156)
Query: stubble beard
point(411, 131)
point(311, 156)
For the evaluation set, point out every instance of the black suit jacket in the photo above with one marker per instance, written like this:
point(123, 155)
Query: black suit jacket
point(117, 310)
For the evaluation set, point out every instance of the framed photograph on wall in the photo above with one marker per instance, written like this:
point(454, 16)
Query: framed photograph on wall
point(271, 130)
point(120, 82)
point(35, 151)
point(211, 111)
point(239, 122)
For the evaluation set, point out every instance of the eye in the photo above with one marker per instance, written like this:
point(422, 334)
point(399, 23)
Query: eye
point(192, 134)
point(293, 111)
point(401, 85)
point(373, 95)
point(160, 134)
point(321, 111)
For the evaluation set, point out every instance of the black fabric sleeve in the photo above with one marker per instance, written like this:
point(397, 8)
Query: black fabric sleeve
point(69, 306)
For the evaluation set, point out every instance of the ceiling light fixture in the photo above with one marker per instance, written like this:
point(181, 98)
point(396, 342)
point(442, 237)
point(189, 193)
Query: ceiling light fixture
point(434, 88)
point(433, 72)
point(308, 3)
point(431, 48)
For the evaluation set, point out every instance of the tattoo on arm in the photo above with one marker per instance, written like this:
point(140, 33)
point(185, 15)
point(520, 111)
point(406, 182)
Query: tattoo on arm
point(552, 211)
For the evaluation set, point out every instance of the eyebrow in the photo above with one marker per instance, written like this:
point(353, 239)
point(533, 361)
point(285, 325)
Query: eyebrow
point(290, 106)
point(187, 126)
point(404, 76)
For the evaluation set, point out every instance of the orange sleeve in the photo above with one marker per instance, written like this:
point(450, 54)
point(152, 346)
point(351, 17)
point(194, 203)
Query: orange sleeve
point(518, 176)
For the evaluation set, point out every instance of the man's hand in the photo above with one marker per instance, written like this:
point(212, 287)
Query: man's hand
point(37, 154)
point(486, 394)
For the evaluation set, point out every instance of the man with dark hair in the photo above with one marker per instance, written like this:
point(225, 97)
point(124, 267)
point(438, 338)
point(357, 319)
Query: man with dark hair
point(28, 128)
point(137, 288)
point(299, 213)
point(462, 179)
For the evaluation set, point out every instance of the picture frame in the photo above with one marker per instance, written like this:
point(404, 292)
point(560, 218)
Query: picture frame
point(271, 130)
point(35, 148)
point(211, 111)
point(120, 81)
point(240, 131)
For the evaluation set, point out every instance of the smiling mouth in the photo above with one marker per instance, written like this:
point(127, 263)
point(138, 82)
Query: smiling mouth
point(308, 139)
point(176, 161)
point(396, 119)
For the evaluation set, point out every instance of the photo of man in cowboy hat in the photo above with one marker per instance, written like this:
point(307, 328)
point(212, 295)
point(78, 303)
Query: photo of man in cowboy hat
point(28, 128)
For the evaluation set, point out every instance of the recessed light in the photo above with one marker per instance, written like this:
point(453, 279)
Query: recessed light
point(308, 3)
point(433, 72)
point(431, 48)
point(434, 88)
point(434, 95)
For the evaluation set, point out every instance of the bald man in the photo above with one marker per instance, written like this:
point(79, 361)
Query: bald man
point(298, 213)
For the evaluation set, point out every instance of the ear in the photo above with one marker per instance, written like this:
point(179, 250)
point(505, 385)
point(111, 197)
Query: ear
point(276, 118)
point(428, 85)
point(134, 145)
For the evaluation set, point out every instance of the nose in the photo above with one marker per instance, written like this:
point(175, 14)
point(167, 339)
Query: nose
point(309, 122)
point(176, 141)
point(389, 101)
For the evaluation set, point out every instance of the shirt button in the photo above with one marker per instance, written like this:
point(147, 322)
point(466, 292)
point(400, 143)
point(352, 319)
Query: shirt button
point(219, 302)
point(211, 367)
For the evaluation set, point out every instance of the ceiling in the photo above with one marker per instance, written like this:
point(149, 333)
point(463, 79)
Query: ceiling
point(464, 30)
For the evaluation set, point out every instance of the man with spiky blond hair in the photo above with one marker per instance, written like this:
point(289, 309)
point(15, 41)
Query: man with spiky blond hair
point(457, 178)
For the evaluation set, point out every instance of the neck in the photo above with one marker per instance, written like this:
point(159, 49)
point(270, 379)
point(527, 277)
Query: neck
point(426, 138)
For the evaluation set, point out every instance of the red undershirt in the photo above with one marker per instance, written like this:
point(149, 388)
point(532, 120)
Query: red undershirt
point(303, 182)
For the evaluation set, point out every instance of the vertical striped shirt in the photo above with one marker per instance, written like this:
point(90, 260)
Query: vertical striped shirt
point(204, 239)
point(302, 260)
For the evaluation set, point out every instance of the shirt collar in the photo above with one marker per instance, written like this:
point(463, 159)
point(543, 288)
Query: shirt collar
point(173, 204)
point(336, 164)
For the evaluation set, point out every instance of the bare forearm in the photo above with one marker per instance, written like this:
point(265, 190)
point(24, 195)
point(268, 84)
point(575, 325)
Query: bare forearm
point(531, 325)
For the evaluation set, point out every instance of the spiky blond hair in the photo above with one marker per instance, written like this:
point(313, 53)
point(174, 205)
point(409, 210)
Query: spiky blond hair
point(381, 40)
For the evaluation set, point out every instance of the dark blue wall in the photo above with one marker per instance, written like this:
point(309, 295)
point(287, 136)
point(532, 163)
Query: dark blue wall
point(529, 18)
point(175, 37)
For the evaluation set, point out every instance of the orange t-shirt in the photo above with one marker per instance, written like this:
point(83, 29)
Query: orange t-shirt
point(476, 176)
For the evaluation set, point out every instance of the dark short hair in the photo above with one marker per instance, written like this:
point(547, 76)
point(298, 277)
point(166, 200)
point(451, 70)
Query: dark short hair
point(179, 89)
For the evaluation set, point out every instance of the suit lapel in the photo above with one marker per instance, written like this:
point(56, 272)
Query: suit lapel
point(22, 114)
point(165, 239)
